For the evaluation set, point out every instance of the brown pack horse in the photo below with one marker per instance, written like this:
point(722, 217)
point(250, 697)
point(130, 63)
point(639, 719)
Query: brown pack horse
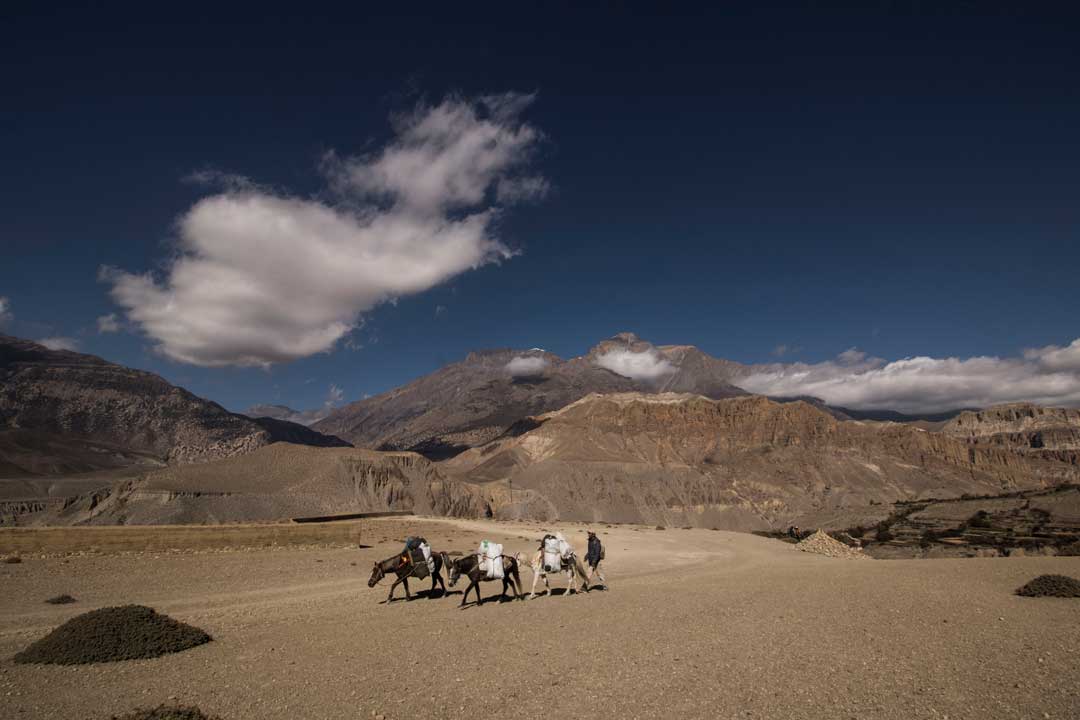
point(469, 566)
point(403, 570)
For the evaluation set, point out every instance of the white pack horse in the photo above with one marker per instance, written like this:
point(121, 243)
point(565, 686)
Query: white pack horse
point(569, 564)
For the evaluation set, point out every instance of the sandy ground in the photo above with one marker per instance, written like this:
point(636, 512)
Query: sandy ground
point(697, 624)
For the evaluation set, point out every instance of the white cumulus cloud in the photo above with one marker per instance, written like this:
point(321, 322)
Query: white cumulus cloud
point(645, 365)
point(1047, 376)
point(6, 315)
point(1054, 357)
point(526, 366)
point(59, 343)
point(108, 323)
point(261, 277)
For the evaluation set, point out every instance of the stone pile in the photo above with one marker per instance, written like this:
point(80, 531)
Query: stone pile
point(821, 544)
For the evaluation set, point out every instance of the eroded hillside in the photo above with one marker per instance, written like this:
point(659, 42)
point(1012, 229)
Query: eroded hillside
point(740, 463)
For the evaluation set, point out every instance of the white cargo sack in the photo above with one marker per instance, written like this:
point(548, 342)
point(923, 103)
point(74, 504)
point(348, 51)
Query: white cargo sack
point(491, 560)
point(565, 551)
point(552, 555)
point(426, 549)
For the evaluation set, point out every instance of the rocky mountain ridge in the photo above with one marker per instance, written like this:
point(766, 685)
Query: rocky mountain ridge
point(471, 402)
point(738, 463)
point(1022, 426)
point(272, 483)
point(59, 399)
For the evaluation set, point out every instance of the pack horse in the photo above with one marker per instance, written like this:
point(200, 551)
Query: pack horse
point(417, 561)
point(488, 564)
point(556, 555)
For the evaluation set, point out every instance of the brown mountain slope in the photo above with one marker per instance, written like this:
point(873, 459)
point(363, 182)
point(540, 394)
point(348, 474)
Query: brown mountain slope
point(474, 401)
point(739, 463)
point(273, 483)
point(89, 414)
point(1022, 426)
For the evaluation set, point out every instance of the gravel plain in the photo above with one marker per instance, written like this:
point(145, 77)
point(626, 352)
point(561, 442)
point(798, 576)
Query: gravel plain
point(696, 624)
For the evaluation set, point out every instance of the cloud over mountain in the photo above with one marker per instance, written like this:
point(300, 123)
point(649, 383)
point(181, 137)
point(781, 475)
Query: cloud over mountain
point(1047, 376)
point(5, 311)
point(59, 343)
point(1053, 357)
point(645, 365)
point(262, 277)
point(526, 366)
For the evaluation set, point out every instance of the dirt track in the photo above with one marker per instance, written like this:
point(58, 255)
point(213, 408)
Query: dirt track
point(697, 624)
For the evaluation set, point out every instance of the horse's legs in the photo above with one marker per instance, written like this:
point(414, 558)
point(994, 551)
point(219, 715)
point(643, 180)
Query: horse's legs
point(390, 597)
point(408, 595)
point(518, 589)
point(472, 584)
point(536, 575)
point(581, 572)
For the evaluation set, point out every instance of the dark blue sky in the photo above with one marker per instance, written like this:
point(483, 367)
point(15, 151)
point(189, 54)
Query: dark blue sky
point(901, 178)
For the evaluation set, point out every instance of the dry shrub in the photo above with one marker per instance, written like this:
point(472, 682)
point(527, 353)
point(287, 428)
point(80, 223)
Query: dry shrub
point(1051, 586)
point(128, 632)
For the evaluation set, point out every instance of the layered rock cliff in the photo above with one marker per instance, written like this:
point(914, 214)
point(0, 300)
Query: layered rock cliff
point(274, 483)
point(739, 463)
point(1022, 426)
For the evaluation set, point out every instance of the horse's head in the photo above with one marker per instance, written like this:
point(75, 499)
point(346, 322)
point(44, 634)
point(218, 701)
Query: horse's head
point(453, 571)
point(377, 574)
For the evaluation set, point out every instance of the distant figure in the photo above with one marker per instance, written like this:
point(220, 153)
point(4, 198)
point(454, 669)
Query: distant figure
point(593, 557)
point(793, 532)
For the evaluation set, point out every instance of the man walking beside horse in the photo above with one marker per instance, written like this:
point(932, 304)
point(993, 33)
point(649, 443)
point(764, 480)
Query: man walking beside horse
point(593, 556)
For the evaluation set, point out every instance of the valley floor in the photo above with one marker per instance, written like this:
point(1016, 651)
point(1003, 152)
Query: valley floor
point(697, 624)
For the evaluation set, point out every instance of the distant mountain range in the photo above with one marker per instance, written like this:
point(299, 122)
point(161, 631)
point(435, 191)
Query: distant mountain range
point(471, 402)
point(284, 412)
point(67, 412)
point(629, 432)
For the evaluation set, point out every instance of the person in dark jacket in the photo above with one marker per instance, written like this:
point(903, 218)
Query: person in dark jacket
point(593, 557)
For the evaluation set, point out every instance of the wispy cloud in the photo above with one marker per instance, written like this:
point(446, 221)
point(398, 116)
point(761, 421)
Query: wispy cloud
point(334, 396)
point(1049, 375)
point(261, 277)
point(782, 350)
point(645, 365)
point(6, 315)
point(59, 343)
point(527, 366)
point(108, 323)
